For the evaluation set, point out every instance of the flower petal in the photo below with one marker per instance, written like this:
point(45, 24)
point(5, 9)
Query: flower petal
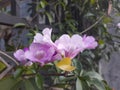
point(65, 64)
point(70, 46)
point(45, 37)
point(67, 68)
point(19, 55)
point(47, 32)
point(38, 38)
point(89, 42)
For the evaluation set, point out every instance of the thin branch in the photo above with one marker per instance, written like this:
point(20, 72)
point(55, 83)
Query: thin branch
point(48, 74)
point(9, 57)
point(89, 28)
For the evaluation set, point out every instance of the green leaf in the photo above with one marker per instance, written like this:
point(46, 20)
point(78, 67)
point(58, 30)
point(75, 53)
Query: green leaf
point(82, 84)
point(18, 72)
point(39, 81)
point(50, 18)
point(107, 20)
point(7, 83)
point(79, 84)
point(18, 86)
point(61, 3)
point(19, 25)
point(93, 74)
point(101, 42)
point(89, 14)
point(92, 2)
point(78, 66)
point(28, 85)
point(97, 83)
point(65, 1)
point(107, 86)
point(43, 3)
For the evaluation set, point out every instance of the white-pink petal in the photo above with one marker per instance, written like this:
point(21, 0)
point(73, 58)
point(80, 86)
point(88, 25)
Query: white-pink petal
point(20, 55)
point(45, 37)
point(38, 38)
point(118, 25)
point(69, 46)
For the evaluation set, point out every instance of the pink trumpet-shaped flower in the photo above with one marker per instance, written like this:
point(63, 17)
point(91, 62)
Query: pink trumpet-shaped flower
point(70, 46)
point(43, 50)
point(42, 53)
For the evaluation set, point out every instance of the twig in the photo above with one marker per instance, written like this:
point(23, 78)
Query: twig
point(52, 74)
point(9, 57)
point(89, 28)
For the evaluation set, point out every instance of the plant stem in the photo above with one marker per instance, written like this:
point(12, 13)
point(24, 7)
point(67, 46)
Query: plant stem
point(89, 28)
point(52, 74)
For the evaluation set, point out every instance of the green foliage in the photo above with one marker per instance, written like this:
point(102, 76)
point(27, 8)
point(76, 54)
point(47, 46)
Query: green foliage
point(78, 84)
point(39, 81)
point(19, 25)
point(7, 83)
point(90, 80)
point(93, 74)
point(18, 72)
point(29, 85)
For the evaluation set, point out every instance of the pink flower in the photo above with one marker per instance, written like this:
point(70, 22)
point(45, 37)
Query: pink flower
point(20, 55)
point(43, 50)
point(41, 53)
point(45, 38)
point(118, 25)
point(70, 46)
point(89, 42)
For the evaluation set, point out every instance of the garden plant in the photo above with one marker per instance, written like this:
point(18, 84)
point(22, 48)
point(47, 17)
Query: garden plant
point(66, 55)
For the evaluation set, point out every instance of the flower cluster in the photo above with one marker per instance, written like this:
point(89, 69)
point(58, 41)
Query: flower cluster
point(43, 50)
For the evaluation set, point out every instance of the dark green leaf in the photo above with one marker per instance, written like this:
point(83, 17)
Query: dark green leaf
point(79, 84)
point(18, 86)
point(78, 66)
point(7, 83)
point(43, 3)
point(29, 85)
point(93, 74)
point(18, 72)
point(106, 85)
point(50, 18)
point(98, 84)
point(19, 25)
point(82, 84)
point(39, 81)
